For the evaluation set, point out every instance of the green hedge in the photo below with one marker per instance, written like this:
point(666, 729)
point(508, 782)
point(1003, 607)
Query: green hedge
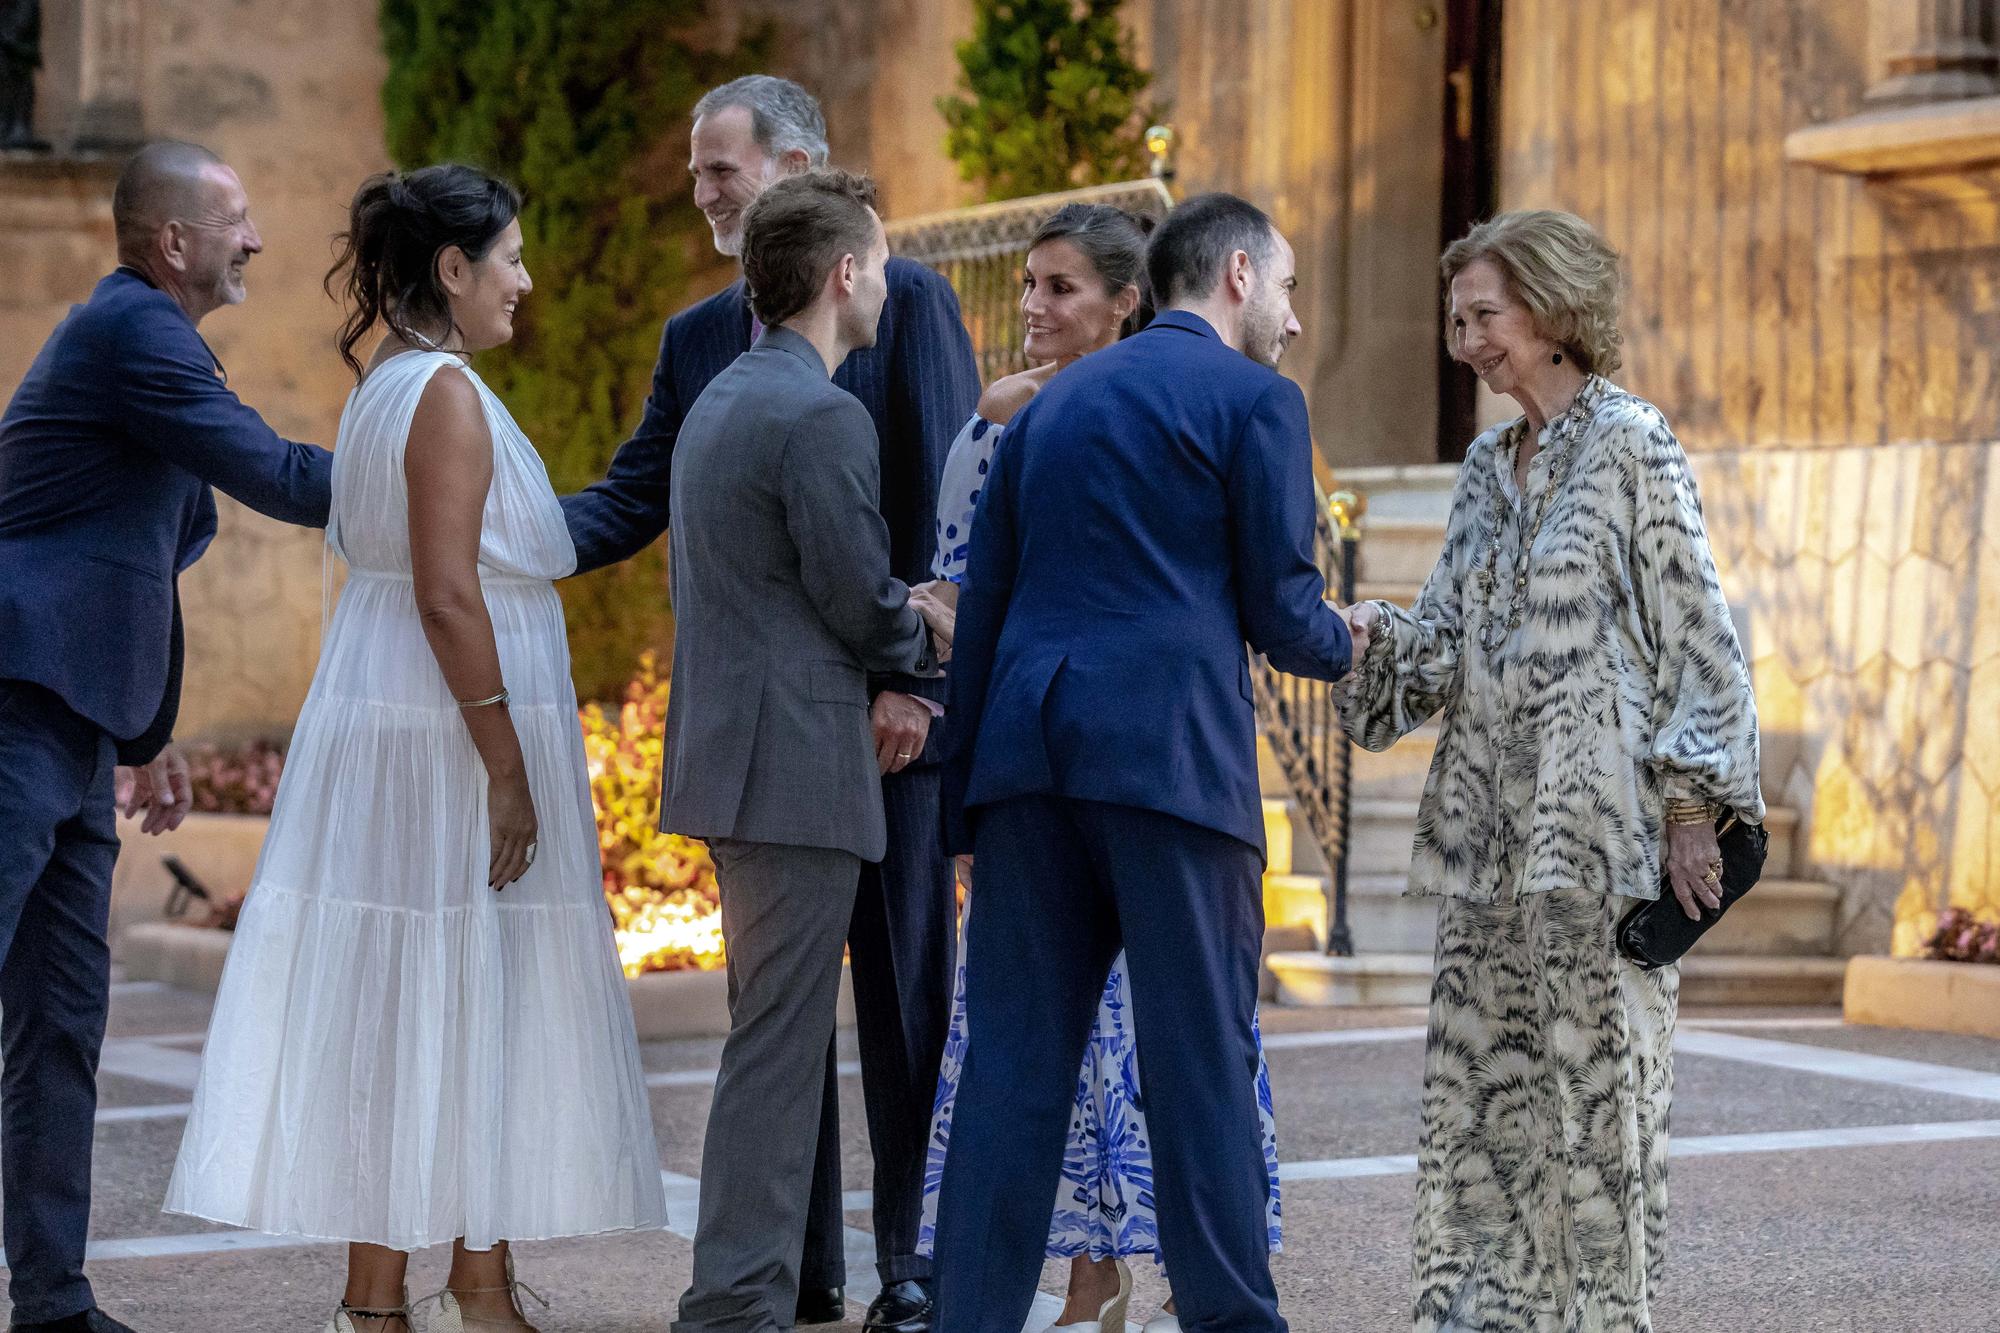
point(1054, 98)
point(583, 104)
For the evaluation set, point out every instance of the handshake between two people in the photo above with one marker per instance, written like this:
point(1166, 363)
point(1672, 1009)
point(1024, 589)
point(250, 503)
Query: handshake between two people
point(1364, 620)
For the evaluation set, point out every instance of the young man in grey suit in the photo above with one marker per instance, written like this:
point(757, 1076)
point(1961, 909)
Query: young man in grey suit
point(784, 603)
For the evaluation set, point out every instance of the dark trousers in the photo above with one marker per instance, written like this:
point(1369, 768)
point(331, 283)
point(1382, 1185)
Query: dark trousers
point(902, 950)
point(58, 842)
point(784, 911)
point(1062, 884)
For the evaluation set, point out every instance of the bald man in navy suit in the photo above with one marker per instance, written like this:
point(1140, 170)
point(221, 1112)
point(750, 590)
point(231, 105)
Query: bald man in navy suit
point(108, 451)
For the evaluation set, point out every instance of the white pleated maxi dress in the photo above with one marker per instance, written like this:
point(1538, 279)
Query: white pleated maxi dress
point(399, 1054)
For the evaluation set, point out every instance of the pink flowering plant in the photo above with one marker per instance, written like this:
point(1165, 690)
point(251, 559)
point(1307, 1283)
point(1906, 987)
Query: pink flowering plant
point(235, 779)
point(1961, 937)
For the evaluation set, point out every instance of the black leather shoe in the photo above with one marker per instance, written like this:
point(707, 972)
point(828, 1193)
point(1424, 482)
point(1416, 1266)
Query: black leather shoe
point(821, 1305)
point(90, 1321)
point(903, 1307)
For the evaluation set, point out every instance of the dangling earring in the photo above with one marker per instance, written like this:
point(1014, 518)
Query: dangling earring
point(1556, 360)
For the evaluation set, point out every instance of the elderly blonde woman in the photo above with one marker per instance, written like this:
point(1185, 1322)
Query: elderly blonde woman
point(1596, 720)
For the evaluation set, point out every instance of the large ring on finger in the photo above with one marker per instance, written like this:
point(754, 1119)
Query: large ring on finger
point(1713, 875)
point(531, 852)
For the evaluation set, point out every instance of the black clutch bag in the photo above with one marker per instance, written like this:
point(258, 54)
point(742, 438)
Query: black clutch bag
point(1654, 934)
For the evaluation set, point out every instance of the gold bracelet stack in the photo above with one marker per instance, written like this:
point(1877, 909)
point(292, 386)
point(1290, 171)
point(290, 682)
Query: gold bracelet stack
point(499, 698)
point(1690, 812)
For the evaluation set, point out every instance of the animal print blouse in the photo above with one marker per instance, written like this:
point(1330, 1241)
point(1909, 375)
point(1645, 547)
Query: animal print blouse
point(1582, 689)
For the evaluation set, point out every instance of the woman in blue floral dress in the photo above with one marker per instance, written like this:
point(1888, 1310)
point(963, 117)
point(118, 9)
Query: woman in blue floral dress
point(1080, 292)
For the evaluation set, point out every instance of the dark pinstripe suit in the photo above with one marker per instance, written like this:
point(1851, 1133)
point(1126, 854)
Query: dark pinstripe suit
point(919, 383)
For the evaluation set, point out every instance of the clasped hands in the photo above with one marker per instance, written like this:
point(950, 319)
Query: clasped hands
point(937, 603)
point(1362, 619)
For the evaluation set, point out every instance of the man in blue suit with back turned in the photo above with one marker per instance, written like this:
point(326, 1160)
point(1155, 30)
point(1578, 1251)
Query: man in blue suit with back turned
point(1150, 511)
point(919, 383)
point(107, 453)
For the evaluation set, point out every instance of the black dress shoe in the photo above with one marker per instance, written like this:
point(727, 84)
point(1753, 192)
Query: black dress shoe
point(821, 1305)
point(90, 1321)
point(903, 1307)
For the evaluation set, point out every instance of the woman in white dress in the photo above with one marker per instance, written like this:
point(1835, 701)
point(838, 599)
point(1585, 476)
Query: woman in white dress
point(422, 1034)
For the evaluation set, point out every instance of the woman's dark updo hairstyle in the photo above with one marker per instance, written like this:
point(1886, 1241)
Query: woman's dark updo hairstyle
point(1114, 241)
point(397, 227)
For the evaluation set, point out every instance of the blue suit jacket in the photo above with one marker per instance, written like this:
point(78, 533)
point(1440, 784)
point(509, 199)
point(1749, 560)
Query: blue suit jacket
point(1146, 514)
point(919, 383)
point(107, 453)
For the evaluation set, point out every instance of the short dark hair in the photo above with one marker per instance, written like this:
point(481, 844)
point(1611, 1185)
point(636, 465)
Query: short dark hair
point(1114, 241)
point(1187, 252)
point(159, 185)
point(796, 231)
point(397, 227)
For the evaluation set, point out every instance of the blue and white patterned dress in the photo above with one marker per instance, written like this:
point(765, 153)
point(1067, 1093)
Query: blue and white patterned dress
point(1104, 1202)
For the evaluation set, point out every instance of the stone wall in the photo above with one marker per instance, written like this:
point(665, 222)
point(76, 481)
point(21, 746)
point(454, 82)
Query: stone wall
point(1825, 347)
point(287, 92)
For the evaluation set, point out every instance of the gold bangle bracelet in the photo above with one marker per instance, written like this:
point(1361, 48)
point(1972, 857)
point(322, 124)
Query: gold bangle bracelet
point(499, 698)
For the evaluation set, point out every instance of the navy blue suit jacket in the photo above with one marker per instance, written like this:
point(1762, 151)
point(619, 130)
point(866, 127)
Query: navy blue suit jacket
point(1149, 512)
point(107, 453)
point(919, 383)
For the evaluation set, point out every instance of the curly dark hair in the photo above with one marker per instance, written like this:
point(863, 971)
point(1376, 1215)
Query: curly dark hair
point(397, 227)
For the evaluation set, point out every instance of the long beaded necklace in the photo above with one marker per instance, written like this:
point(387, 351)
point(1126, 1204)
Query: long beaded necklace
point(1493, 631)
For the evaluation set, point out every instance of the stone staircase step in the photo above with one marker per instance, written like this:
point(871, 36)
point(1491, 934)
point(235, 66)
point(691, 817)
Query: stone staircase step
point(1779, 918)
point(1382, 919)
point(1310, 980)
point(1382, 831)
point(1295, 902)
point(1399, 550)
point(1789, 918)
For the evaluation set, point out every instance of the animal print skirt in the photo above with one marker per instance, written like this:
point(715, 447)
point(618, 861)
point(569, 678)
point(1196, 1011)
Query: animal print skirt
point(1542, 1170)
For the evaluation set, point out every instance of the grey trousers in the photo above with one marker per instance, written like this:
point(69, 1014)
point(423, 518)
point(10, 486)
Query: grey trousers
point(785, 912)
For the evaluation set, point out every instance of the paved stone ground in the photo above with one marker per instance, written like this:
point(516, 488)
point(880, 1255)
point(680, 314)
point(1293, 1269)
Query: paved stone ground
point(1829, 1178)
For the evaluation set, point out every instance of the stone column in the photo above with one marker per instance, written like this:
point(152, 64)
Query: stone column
point(108, 117)
point(1937, 51)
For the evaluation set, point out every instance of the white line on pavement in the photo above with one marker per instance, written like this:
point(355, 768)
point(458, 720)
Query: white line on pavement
point(1836, 1063)
point(684, 1192)
point(705, 1078)
point(1858, 1136)
point(1775, 1024)
point(132, 1057)
point(1286, 1041)
point(115, 1115)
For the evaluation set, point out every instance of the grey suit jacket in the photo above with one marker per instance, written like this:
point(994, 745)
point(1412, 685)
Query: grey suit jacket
point(783, 603)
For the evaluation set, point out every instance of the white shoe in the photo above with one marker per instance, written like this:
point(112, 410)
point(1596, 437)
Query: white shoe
point(1111, 1318)
point(1163, 1322)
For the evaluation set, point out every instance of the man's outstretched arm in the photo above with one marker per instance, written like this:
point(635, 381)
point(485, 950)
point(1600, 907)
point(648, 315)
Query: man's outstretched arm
point(618, 517)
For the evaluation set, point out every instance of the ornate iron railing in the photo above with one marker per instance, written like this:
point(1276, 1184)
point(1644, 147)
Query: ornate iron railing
point(981, 250)
point(1302, 724)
